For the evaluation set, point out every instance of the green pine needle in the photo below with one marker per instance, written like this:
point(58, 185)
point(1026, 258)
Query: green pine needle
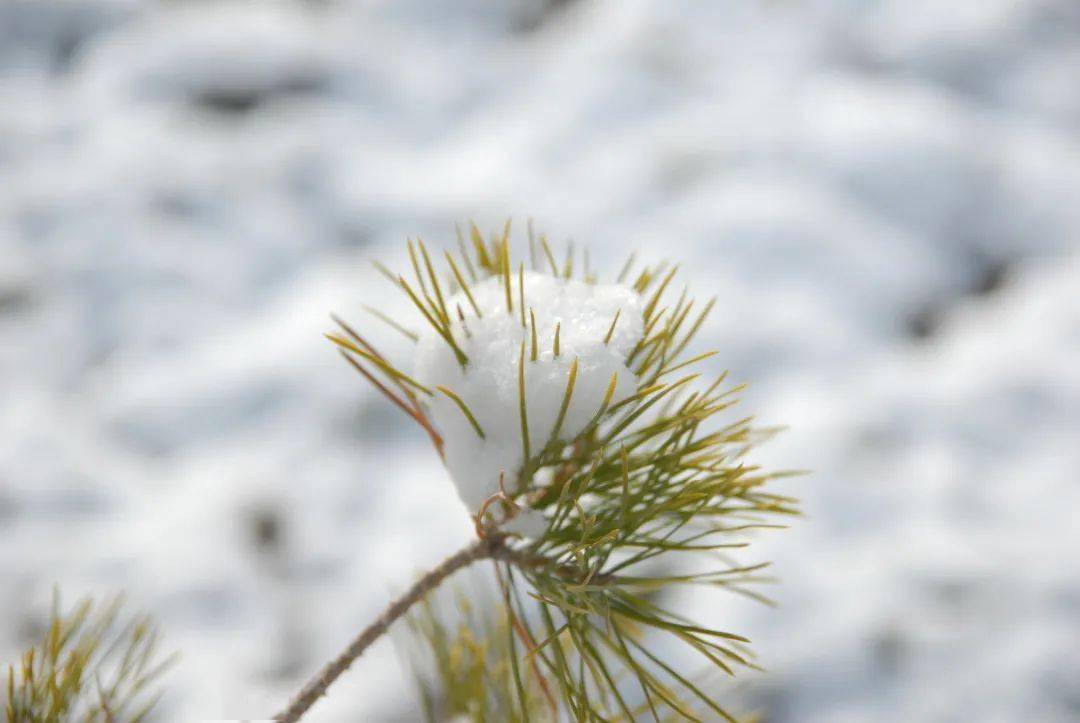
point(527, 455)
point(464, 410)
point(611, 329)
point(570, 380)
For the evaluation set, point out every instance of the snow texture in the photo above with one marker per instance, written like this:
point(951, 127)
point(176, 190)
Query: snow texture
point(884, 197)
point(488, 383)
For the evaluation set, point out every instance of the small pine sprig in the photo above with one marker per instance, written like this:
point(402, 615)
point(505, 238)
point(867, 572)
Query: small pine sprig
point(89, 666)
point(654, 492)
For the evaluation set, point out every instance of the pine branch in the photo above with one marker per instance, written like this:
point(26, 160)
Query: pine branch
point(487, 548)
point(492, 547)
point(629, 497)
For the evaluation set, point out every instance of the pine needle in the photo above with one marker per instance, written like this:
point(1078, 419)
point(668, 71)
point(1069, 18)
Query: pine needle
point(521, 292)
point(434, 282)
point(566, 399)
point(482, 257)
point(464, 410)
point(381, 363)
point(464, 253)
point(521, 406)
point(505, 248)
point(385, 272)
point(611, 329)
point(412, 335)
point(413, 413)
point(532, 324)
point(464, 285)
point(416, 268)
point(548, 255)
point(443, 330)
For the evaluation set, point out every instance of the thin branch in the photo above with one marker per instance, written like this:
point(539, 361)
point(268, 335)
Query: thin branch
point(492, 547)
point(317, 686)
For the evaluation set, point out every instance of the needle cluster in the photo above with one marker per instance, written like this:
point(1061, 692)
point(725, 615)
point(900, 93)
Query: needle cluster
point(89, 666)
point(646, 488)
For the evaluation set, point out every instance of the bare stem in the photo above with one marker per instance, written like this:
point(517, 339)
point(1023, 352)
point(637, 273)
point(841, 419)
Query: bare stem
point(317, 686)
point(492, 547)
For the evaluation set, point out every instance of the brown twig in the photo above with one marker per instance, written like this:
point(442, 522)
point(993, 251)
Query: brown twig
point(317, 686)
point(491, 547)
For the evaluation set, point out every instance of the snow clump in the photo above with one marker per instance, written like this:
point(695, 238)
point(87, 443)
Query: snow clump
point(488, 382)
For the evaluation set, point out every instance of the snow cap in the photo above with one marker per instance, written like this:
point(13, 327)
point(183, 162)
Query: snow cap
point(489, 385)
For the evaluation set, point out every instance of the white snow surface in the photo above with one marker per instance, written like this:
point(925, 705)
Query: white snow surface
point(883, 195)
point(488, 383)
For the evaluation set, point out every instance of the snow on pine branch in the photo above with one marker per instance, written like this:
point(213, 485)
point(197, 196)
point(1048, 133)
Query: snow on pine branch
point(492, 336)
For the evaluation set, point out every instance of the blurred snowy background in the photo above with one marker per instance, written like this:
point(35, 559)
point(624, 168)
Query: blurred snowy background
point(885, 196)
